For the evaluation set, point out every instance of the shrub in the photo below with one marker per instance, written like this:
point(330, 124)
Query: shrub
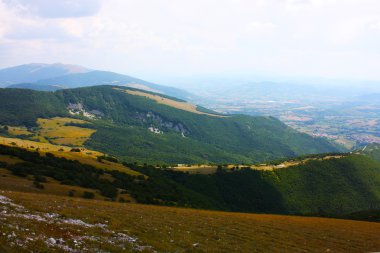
point(71, 193)
point(49, 155)
point(40, 179)
point(88, 195)
point(38, 185)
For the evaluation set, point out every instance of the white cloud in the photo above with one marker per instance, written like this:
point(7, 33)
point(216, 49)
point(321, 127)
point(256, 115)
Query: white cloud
point(261, 27)
point(375, 24)
point(163, 36)
point(56, 9)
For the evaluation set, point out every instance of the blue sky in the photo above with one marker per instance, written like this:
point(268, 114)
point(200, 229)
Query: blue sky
point(148, 38)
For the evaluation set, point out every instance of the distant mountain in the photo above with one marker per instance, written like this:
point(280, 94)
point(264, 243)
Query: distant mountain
point(110, 78)
point(148, 127)
point(45, 77)
point(30, 73)
point(272, 88)
point(35, 86)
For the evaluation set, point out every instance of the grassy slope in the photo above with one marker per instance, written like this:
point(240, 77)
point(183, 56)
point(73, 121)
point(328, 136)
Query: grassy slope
point(59, 132)
point(86, 156)
point(173, 229)
point(10, 182)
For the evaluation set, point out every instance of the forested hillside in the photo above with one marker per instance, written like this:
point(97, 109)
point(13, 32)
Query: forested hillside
point(331, 187)
point(136, 128)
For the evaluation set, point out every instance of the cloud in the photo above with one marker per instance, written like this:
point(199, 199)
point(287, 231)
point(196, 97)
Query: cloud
point(261, 27)
point(165, 36)
point(375, 25)
point(57, 9)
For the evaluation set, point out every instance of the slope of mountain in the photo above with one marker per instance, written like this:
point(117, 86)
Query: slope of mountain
point(110, 78)
point(93, 78)
point(371, 150)
point(322, 187)
point(330, 187)
point(35, 86)
point(36, 71)
point(138, 128)
point(121, 227)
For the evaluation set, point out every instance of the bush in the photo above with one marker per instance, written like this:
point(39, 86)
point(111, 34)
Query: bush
point(38, 185)
point(88, 195)
point(71, 193)
point(40, 179)
point(108, 158)
point(49, 155)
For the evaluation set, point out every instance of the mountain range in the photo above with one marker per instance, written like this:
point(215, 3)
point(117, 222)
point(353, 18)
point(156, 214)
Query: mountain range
point(36, 71)
point(51, 77)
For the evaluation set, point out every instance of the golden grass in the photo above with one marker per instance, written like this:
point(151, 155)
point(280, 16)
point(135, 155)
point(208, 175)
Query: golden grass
point(170, 229)
point(185, 106)
point(287, 164)
point(86, 156)
point(209, 169)
point(13, 130)
point(11, 182)
point(58, 133)
point(201, 169)
point(55, 131)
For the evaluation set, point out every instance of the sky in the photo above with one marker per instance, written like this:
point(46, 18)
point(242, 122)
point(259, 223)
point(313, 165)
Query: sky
point(162, 38)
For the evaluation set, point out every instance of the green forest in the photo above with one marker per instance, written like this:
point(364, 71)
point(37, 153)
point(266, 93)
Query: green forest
point(124, 119)
point(332, 187)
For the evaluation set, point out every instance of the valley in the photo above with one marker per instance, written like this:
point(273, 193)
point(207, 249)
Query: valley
point(353, 127)
point(348, 119)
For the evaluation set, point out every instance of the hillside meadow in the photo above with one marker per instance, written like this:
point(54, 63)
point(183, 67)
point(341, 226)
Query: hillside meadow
point(168, 229)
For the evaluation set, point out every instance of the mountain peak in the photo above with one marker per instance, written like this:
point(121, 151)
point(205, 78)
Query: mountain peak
point(36, 71)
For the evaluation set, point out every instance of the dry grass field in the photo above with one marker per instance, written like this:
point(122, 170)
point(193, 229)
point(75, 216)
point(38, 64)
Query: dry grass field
point(169, 102)
point(85, 156)
point(209, 169)
point(167, 229)
point(10, 182)
point(14, 130)
point(200, 169)
point(56, 130)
